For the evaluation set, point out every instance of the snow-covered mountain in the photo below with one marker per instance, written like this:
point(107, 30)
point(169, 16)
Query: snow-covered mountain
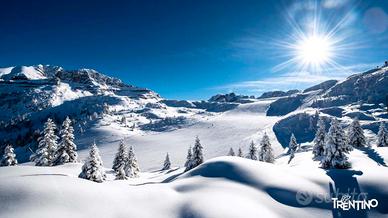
point(94, 102)
point(363, 96)
point(31, 94)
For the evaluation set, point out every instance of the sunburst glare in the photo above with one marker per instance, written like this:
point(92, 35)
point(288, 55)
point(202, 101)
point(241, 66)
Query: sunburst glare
point(314, 50)
point(316, 43)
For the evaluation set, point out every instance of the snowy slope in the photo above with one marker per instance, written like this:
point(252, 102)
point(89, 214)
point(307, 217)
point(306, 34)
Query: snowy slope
point(235, 128)
point(221, 187)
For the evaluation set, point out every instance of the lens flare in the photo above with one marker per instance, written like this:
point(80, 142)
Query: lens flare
point(316, 41)
point(314, 50)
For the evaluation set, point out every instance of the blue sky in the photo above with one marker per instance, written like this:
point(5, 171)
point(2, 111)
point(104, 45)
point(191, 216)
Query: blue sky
point(194, 49)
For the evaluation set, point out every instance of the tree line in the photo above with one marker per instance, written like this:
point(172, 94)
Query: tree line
point(330, 148)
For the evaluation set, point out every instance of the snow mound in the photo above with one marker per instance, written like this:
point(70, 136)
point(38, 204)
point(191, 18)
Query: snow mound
point(221, 187)
point(248, 172)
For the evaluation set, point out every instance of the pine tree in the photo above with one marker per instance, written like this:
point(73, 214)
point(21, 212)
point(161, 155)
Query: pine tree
point(9, 157)
point(189, 158)
point(356, 135)
point(382, 136)
point(67, 150)
point(240, 153)
point(252, 152)
point(133, 126)
point(197, 154)
point(341, 136)
point(93, 169)
point(167, 163)
point(80, 129)
point(47, 146)
point(105, 108)
point(132, 169)
point(319, 140)
point(124, 121)
point(266, 153)
point(121, 158)
point(120, 173)
point(316, 115)
point(336, 148)
point(311, 123)
point(231, 152)
point(292, 147)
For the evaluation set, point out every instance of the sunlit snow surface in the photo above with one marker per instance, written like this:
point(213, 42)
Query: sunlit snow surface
point(235, 128)
point(221, 187)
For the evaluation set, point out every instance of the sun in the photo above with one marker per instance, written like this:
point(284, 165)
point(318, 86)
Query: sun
point(314, 50)
point(315, 42)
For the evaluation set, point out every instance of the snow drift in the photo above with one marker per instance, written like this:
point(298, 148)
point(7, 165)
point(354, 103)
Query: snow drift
point(221, 187)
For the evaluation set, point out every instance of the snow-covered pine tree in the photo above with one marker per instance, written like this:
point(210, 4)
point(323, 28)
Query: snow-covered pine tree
point(252, 152)
point(80, 129)
point(197, 154)
point(265, 152)
point(316, 115)
point(341, 135)
point(132, 169)
point(105, 108)
point(47, 145)
point(311, 123)
point(67, 150)
point(9, 157)
point(120, 173)
point(231, 152)
point(93, 169)
point(319, 140)
point(124, 121)
point(133, 126)
point(189, 157)
point(121, 158)
point(167, 163)
point(356, 137)
point(382, 136)
point(240, 153)
point(336, 148)
point(136, 168)
point(94, 116)
point(292, 147)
